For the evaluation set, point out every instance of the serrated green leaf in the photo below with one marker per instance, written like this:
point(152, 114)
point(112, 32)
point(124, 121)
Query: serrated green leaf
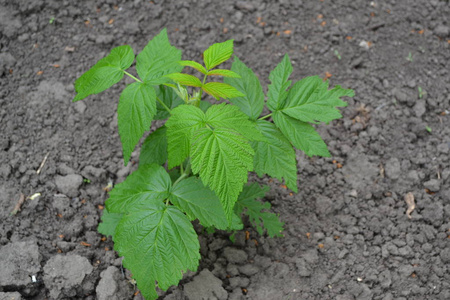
point(309, 100)
point(301, 134)
point(223, 158)
point(258, 212)
point(169, 97)
point(147, 183)
point(180, 127)
point(137, 106)
point(221, 90)
point(224, 73)
point(199, 202)
point(193, 64)
point(157, 59)
point(158, 243)
point(154, 148)
point(229, 116)
point(252, 103)
point(275, 156)
point(105, 73)
point(279, 84)
point(217, 54)
point(109, 222)
point(185, 79)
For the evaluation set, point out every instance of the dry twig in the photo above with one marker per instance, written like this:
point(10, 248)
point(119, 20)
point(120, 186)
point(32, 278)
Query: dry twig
point(409, 199)
point(18, 205)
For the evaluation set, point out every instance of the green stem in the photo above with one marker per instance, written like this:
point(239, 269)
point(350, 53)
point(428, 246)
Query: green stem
point(185, 173)
point(265, 117)
point(201, 91)
point(132, 76)
point(164, 105)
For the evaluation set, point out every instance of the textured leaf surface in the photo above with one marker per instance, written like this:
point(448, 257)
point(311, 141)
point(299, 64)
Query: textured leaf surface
point(185, 79)
point(221, 90)
point(109, 222)
point(180, 127)
point(137, 106)
point(199, 202)
point(223, 158)
point(301, 134)
point(154, 148)
point(157, 59)
point(258, 212)
point(158, 243)
point(224, 73)
point(229, 116)
point(193, 64)
point(168, 96)
point(252, 103)
point(105, 73)
point(147, 183)
point(309, 100)
point(217, 54)
point(275, 156)
point(279, 84)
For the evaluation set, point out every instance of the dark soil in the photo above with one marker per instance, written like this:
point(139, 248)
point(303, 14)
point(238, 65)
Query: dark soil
point(347, 232)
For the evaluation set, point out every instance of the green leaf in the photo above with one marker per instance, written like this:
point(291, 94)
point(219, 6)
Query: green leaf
point(229, 116)
point(301, 134)
point(258, 212)
point(180, 127)
point(217, 54)
point(109, 222)
point(147, 183)
point(157, 59)
point(275, 156)
point(185, 79)
point(158, 243)
point(252, 103)
point(193, 64)
point(105, 73)
point(170, 99)
point(204, 105)
point(279, 84)
point(154, 148)
point(137, 106)
point(309, 100)
point(223, 158)
point(221, 90)
point(199, 202)
point(224, 73)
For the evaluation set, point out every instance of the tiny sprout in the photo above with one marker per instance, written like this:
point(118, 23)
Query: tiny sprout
point(409, 57)
point(336, 53)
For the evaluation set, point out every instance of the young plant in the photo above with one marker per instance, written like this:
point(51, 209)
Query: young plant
point(195, 167)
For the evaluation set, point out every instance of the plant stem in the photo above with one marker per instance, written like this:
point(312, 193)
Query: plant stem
point(164, 105)
point(185, 173)
point(201, 90)
point(132, 76)
point(265, 117)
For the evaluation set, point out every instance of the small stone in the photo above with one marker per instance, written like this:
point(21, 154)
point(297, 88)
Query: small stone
point(245, 6)
point(104, 39)
point(217, 244)
point(303, 270)
point(69, 184)
point(442, 31)
point(433, 185)
point(205, 286)
point(248, 269)
point(427, 247)
point(235, 256)
point(80, 107)
point(112, 286)
point(406, 270)
point(392, 168)
point(311, 256)
point(419, 108)
point(445, 255)
point(94, 174)
point(241, 282)
point(443, 148)
point(324, 205)
point(406, 251)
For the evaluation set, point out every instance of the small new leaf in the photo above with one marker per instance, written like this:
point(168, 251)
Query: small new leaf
point(275, 155)
point(301, 134)
point(224, 73)
point(193, 64)
point(221, 90)
point(217, 54)
point(154, 148)
point(105, 73)
point(185, 79)
point(137, 106)
point(252, 103)
point(279, 84)
point(147, 183)
point(199, 202)
point(258, 212)
point(157, 59)
point(158, 243)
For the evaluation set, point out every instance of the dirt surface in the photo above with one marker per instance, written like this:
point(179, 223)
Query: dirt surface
point(348, 234)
